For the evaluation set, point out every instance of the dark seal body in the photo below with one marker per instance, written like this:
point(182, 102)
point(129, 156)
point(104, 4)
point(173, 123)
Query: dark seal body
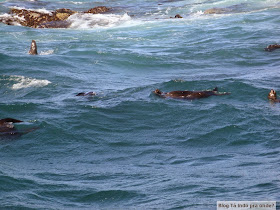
point(272, 47)
point(189, 94)
point(33, 48)
point(7, 126)
point(272, 96)
point(87, 94)
point(8, 130)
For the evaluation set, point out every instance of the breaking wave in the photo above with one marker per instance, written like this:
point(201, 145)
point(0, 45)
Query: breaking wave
point(25, 82)
point(85, 21)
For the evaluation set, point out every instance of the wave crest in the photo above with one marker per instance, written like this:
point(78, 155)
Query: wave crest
point(25, 82)
point(86, 21)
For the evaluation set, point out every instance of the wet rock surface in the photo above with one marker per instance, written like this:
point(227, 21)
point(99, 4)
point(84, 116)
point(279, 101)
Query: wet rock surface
point(98, 10)
point(237, 8)
point(35, 19)
point(216, 11)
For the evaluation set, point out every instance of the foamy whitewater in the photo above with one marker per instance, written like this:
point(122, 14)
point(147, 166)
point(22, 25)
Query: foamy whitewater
point(22, 82)
point(126, 148)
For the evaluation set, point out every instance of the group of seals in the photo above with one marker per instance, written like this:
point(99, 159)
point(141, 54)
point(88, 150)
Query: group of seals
point(33, 51)
point(186, 94)
point(7, 127)
point(191, 95)
point(33, 47)
point(177, 94)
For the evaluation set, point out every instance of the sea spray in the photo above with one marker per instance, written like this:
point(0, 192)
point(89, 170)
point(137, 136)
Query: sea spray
point(25, 82)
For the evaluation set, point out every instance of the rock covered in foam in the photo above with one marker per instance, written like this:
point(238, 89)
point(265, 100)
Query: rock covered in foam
point(36, 19)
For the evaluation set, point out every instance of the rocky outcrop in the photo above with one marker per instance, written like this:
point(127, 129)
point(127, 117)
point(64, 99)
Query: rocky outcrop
point(216, 11)
point(35, 19)
point(236, 8)
point(98, 10)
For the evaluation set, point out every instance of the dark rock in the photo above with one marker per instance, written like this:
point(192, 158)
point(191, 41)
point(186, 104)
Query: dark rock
point(55, 24)
point(216, 11)
point(98, 10)
point(236, 8)
point(34, 19)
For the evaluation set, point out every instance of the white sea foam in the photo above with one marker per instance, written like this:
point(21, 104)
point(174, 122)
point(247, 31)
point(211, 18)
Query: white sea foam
point(86, 21)
point(76, 2)
point(25, 82)
point(43, 10)
point(47, 52)
point(11, 19)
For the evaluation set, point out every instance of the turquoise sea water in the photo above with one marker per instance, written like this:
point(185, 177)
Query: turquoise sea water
point(126, 148)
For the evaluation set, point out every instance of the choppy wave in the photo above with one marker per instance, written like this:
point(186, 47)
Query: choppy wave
point(126, 147)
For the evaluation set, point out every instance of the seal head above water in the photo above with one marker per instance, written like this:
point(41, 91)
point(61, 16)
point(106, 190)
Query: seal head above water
point(272, 96)
point(87, 94)
point(7, 125)
point(7, 128)
point(185, 94)
point(33, 48)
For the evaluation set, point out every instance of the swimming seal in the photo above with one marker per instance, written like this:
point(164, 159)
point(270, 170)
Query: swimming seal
point(189, 94)
point(177, 16)
point(33, 48)
point(87, 94)
point(7, 126)
point(272, 96)
point(272, 47)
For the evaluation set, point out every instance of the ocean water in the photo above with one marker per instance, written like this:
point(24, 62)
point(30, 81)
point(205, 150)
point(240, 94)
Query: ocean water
point(127, 148)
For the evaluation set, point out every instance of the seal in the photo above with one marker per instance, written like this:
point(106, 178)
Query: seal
point(33, 48)
point(272, 47)
point(87, 94)
point(177, 16)
point(272, 96)
point(7, 128)
point(7, 125)
point(189, 94)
